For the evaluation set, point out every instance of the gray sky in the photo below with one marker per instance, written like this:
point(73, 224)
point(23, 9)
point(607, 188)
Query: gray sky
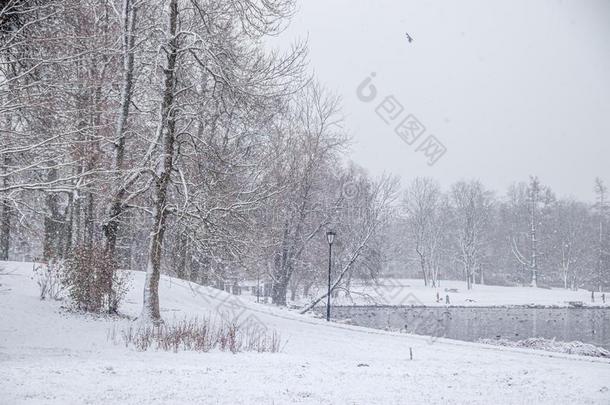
point(511, 88)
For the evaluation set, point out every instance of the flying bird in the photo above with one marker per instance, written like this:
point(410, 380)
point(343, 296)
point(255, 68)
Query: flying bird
point(409, 37)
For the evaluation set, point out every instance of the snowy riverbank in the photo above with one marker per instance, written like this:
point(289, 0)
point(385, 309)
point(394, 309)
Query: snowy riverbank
point(414, 292)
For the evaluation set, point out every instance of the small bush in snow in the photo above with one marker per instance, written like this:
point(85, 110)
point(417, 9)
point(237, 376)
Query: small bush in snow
point(92, 280)
point(49, 279)
point(197, 335)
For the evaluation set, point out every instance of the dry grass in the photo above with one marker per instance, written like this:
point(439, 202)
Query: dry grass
point(200, 335)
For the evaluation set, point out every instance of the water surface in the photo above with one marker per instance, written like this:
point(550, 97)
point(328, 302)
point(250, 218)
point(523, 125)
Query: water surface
point(589, 325)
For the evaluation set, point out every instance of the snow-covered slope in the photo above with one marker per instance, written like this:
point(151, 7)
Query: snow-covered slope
point(48, 355)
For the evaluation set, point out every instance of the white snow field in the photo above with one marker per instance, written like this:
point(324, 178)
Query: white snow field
point(51, 356)
point(413, 292)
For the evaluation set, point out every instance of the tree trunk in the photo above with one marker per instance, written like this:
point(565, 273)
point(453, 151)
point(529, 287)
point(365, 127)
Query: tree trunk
point(601, 247)
point(533, 241)
point(116, 206)
point(167, 126)
point(306, 289)
point(282, 271)
point(422, 263)
point(293, 293)
point(150, 309)
point(180, 256)
point(55, 233)
point(89, 221)
point(279, 291)
point(5, 217)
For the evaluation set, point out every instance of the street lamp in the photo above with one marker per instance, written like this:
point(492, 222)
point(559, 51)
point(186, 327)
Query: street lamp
point(330, 236)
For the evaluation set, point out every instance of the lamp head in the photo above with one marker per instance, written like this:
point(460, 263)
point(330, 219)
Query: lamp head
point(330, 236)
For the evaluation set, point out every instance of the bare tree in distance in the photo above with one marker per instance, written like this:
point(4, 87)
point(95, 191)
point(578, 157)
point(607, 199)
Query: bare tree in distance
point(382, 195)
point(601, 193)
point(472, 205)
point(424, 208)
point(537, 196)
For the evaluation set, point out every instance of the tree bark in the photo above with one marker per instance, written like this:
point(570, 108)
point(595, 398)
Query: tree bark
point(533, 241)
point(5, 217)
point(167, 127)
point(116, 206)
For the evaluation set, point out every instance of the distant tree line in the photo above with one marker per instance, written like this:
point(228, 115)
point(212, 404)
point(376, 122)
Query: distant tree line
point(527, 236)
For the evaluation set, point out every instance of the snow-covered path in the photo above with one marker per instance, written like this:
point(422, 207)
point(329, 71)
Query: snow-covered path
point(50, 356)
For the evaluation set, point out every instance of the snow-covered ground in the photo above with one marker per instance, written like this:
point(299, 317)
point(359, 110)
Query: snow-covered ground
point(413, 292)
point(51, 356)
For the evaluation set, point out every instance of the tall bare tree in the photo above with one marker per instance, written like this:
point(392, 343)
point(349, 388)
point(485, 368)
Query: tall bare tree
point(601, 193)
point(472, 205)
point(425, 208)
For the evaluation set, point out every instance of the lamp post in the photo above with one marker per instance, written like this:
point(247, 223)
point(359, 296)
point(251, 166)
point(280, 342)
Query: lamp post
point(330, 236)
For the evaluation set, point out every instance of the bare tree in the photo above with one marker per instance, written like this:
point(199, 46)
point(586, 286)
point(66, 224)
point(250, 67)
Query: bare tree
point(571, 240)
point(235, 78)
point(601, 191)
point(312, 137)
point(533, 200)
point(472, 205)
point(425, 208)
point(129, 12)
point(372, 217)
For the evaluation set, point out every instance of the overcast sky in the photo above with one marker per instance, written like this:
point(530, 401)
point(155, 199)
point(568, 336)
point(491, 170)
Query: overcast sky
point(510, 88)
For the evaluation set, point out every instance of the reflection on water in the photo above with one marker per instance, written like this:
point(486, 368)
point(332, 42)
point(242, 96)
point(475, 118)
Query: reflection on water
point(589, 325)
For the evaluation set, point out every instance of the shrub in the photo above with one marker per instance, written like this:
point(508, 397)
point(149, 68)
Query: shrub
point(197, 335)
point(92, 281)
point(49, 279)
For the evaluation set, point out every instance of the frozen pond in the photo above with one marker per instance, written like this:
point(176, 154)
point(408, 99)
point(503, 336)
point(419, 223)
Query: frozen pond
point(589, 325)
